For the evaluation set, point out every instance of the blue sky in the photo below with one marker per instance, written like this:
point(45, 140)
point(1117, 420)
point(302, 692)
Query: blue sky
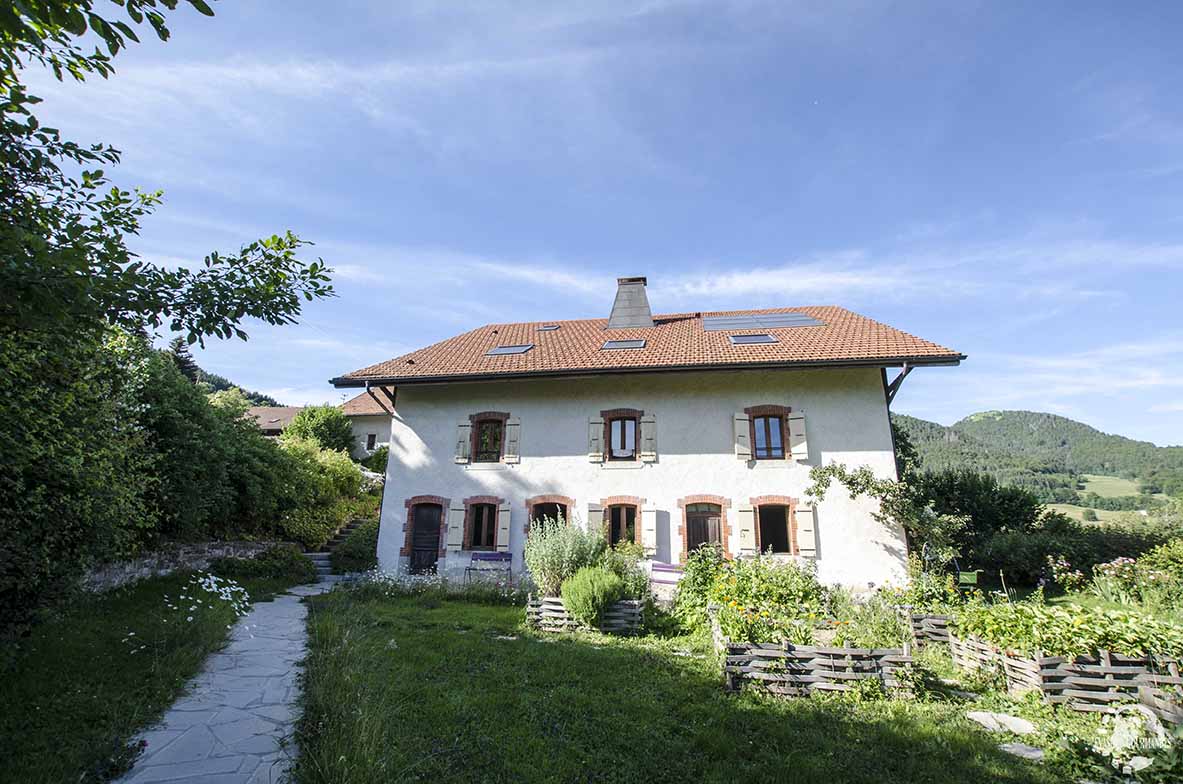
point(1002, 178)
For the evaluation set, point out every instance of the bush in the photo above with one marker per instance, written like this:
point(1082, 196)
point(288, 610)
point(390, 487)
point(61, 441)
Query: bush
point(1067, 630)
point(359, 551)
point(624, 560)
point(703, 567)
point(313, 526)
point(870, 622)
point(556, 550)
point(591, 591)
point(282, 562)
point(327, 426)
point(1089, 515)
point(765, 600)
point(378, 460)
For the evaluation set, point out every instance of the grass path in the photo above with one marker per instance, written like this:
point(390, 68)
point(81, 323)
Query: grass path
point(411, 689)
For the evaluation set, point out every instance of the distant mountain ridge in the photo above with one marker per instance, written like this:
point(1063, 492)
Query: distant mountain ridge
point(1043, 452)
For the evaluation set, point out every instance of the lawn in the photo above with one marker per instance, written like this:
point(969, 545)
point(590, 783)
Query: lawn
point(1109, 486)
point(1077, 513)
point(423, 689)
point(79, 687)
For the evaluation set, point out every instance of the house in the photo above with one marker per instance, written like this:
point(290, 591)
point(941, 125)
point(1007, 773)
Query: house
point(671, 430)
point(369, 415)
point(273, 419)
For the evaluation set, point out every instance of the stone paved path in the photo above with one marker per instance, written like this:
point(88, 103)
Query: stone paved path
point(229, 726)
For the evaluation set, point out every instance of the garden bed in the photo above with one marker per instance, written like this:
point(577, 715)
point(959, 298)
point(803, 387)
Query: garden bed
point(549, 614)
point(799, 670)
point(1083, 683)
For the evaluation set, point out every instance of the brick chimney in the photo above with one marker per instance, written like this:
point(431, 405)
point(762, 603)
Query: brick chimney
point(631, 308)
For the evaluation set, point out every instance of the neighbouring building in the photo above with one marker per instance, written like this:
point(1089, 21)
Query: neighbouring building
point(671, 431)
point(273, 419)
point(369, 415)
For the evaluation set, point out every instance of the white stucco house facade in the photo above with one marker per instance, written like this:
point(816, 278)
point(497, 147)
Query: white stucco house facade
point(369, 417)
point(670, 431)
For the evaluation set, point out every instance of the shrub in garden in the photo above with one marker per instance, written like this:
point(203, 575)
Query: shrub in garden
point(378, 460)
point(702, 568)
point(313, 526)
point(591, 591)
point(928, 591)
point(359, 551)
point(556, 550)
point(1166, 559)
point(867, 622)
point(624, 560)
point(327, 426)
point(281, 562)
point(765, 600)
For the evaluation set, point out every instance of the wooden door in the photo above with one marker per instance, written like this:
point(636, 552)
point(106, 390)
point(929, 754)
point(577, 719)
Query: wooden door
point(425, 537)
point(704, 525)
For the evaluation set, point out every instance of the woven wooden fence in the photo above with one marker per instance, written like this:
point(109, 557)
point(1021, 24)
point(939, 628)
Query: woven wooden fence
point(799, 670)
point(549, 614)
point(927, 628)
point(1084, 683)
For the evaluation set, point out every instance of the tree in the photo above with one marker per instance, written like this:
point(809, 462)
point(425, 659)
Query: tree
point(326, 425)
point(178, 349)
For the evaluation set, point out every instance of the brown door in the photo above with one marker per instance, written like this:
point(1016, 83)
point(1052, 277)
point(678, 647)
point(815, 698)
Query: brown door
point(425, 537)
point(703, 526)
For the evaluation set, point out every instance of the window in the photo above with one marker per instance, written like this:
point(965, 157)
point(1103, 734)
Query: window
point(371, 441)
point(486, 440)
point(773, 521)
point(521, 349)
point(622, 438)
point(744, 340)
point(622, 524)
point(482, 526)
point(623, 344)
point(704, 525)
point(768, 437)
point(550, 511)
point(548, 327)
point(758, 321)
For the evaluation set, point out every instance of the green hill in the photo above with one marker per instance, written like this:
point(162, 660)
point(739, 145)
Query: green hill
point(1049, 455)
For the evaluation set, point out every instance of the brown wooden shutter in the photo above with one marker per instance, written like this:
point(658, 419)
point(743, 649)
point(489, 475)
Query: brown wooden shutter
point(746, 516)
point(513, 435)
point(463, 442)
point(742, 425)
point(798, 446)
point(595, 439)
point(503, 520)
point(806, 518)
point(456, 528)
point(648, 439)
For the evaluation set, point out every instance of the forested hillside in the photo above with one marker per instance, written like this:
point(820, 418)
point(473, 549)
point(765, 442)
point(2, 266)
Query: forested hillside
point(1046, 454)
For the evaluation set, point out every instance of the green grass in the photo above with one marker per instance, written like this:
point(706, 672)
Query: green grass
point(1077, 513)
point(75, 693)
point(419, 689)
point(1109, 486)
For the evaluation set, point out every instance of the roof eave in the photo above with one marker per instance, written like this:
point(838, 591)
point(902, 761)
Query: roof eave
point(345, 382)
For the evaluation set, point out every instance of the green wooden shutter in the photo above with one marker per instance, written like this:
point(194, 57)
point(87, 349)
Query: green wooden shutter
point(504, 517)
point(456, 528)
point(742, 425)
point(513, 434)
point(595, 439)
point(798, 446)
point(648, 439)
point(463, 442)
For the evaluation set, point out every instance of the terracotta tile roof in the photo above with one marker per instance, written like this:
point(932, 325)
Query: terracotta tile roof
point(273, 417)
point(675, 341)
point(367, 404)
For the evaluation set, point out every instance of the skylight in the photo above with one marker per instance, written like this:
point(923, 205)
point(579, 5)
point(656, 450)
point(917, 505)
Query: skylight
point(548, 327)
point(744, 340)
point(759, 321)
point(522, 349)
point(618, 344)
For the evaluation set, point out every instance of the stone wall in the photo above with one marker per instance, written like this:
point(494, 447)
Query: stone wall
point(167, 560)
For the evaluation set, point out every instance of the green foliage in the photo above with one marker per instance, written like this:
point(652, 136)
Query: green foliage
point(326, 425)
point(377, 461)
point(359, 551)
point(178, 351)
point(1089, 515)
point(591, 591)
point(213, 383)
point(927, 591)
point(281, 562)
point(869, 622)
point(764, 600)
point(702, 569)
point(313, 526)
point(624, 560)
point(556, 550)
point(1067, 630)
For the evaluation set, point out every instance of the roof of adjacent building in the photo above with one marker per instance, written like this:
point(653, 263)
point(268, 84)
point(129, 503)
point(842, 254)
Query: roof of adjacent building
point(274, 417)
point(368, 403)
point(675, 342)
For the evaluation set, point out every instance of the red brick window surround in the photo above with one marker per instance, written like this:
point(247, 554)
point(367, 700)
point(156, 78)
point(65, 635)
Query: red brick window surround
point(623, 504)
point(724, 525)
point(538, 500)
point(410, 505)
point(480, 512)
point(790, 505)
point(622, 433)
point(769, 431)
point(488, 436)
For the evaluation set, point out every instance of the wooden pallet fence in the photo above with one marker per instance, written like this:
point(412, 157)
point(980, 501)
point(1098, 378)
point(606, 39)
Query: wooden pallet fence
point(799, 670)
point(549, 614)
point(1083, 683)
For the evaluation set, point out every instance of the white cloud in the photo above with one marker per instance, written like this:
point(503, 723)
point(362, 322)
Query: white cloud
point(1167, 408)
point(307, 396)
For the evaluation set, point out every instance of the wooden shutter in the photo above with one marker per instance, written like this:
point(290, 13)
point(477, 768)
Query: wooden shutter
point(513, 435)
point(649, 531)
point(463, 442)
point(595, 439)
point(456, 528)
point(743, 435)
point(648, 439)
point(798, 446)
point(595, 519)
point(503, 520)
point(806, 518)
point(747, 529)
